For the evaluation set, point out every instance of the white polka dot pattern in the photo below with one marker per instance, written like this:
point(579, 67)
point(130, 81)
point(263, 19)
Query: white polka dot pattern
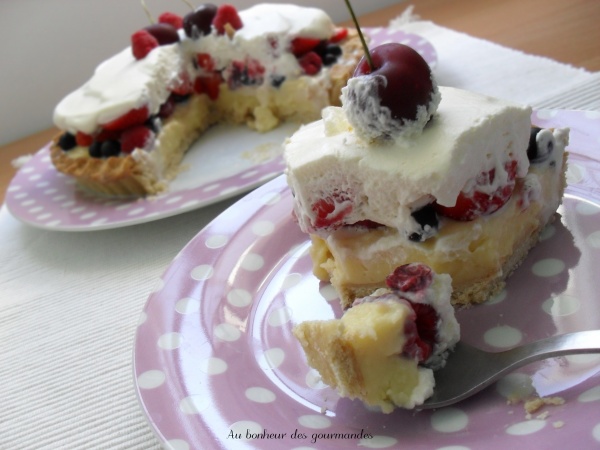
point(215, 357)
point(65, 207)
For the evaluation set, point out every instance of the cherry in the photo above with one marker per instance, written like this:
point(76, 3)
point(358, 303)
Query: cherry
point(382, 100)
point(164, 33)
point(199, 22)
point(408, 76)
point(147, 39)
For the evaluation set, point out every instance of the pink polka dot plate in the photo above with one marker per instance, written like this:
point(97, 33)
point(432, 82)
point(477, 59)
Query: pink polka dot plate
point(217, 367)
point(225, 162)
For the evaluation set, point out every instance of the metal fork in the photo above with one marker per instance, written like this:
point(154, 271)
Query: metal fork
point(468, 370)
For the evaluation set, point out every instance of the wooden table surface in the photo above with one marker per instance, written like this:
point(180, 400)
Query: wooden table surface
point(564, 30)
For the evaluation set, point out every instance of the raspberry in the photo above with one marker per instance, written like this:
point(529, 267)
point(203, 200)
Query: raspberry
point(421, 335)
point(142, 43)
point(107, 135)
point(227, 14)
point(133, 117)
point(83, 140)
point(205, 61)
point(311, 63)
point(469, 206)
point(303, 45)
point(183, 85)
point(410, 277)
point(427, 322)
point(339, 35)
point(172, 19)
point(167, 108)
point(330, 211)
point(209, 85)
point(136, 137)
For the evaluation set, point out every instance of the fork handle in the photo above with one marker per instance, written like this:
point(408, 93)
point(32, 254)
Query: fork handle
point(580, 342)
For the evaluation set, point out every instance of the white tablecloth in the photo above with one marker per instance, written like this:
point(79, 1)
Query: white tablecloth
point(70, 302)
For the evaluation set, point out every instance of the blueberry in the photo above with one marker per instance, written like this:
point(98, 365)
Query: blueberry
point(329, 60)
point(277, 80)
point(242, 76)
point(427, 219)
point(178, 98)
point(532, 147)
point(110, 148)
point(332, 49)
point(67, 141)
point(94, 149)
point(329, 53)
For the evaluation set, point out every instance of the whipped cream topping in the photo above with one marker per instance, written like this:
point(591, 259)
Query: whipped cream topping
point(372, 121)
point(469, 134)
point(284, 20)
point(119, 85)
point(122, 83)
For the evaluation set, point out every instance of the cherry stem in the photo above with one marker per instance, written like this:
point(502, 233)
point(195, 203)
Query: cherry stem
point(360, 35)
point(189, 4)
point(150, 18)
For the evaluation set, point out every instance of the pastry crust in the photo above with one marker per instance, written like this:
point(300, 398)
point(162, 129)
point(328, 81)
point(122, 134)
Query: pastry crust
point(332, 356)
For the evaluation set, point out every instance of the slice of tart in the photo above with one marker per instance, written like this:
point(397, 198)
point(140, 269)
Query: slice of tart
point(465, 186)
point(126, 130)
point(383, 350)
